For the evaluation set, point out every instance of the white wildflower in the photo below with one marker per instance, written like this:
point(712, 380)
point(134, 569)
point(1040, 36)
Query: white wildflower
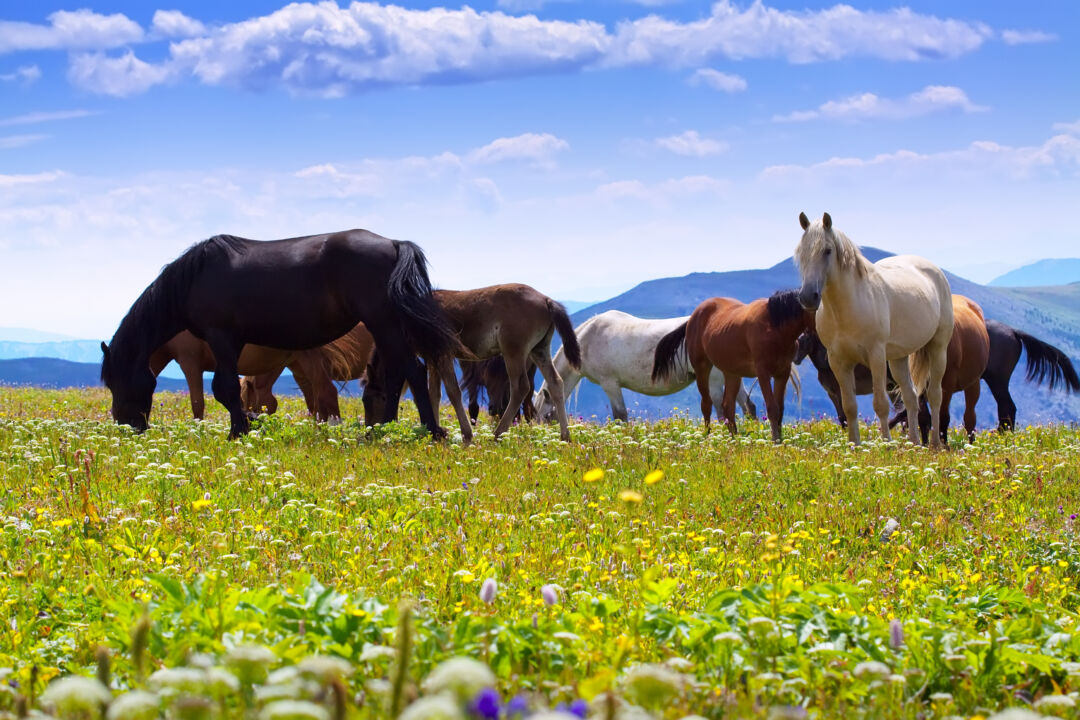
point(135, 705)
point(433, 707)
point(76, 695)
point(462, 676)
point(294, 710)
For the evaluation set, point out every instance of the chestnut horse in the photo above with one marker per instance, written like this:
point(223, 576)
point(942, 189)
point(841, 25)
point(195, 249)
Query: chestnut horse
point(314, 371)
point(741, 340)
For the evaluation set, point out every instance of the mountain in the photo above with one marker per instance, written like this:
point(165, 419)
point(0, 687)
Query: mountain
point(28, 335)
point(1038, 274)
point(81, 351)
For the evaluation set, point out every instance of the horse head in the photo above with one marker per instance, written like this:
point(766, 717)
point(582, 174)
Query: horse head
point(545, 409)
point(815, 256)
point(132, 389)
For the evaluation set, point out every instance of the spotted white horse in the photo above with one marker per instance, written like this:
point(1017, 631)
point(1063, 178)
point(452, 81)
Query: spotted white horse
point(617, 352)
point(877, 314)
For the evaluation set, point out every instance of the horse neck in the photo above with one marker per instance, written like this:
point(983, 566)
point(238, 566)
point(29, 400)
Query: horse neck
point(570, 376)
point(843, 292)
point(143, 333)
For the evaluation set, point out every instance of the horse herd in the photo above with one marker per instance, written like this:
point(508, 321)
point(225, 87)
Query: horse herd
point(353, 304)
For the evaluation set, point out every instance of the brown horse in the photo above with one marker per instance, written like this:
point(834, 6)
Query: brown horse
point(511, 320)
point(314, 371)
point(741, 340)
point(966, 360)
point(490, 377)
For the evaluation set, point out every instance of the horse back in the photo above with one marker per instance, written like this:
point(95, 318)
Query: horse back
point(919, 298)
point(969, 347)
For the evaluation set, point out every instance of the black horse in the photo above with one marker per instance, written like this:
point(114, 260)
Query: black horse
point(290, 294)
point(1046, 364)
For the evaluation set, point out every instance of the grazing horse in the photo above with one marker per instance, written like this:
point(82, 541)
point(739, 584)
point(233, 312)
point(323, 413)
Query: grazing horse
point(511, 320)
point(617, 352)
point(741, 340)
point(490, 377)
point(966, 361)
point(293, 294)
point(1045, 364)
point(877, 314)
point(315, 372)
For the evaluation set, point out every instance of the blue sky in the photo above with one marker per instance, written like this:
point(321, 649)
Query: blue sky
point(580, 147)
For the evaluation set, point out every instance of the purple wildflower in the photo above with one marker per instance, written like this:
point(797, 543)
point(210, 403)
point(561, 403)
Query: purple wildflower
point(580, 708)
point(896, 634)
point(486, 704)
point(488, 590)
point(550, 595)
point(519, 705)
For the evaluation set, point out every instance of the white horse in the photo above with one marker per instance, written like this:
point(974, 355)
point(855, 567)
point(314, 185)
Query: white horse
point(617, 352)
point(876, 314)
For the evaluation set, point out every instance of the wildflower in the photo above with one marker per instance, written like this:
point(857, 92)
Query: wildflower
point(76, 695)
point(593, 475)
point(462, 676)
point(896, 634)
point(654, 477)
point(651, 685)
point(553, 715)
point(729, 638)
point(891, 526)
point(630, 497)
point(377, 652)
point(550, 595)
point(325, 668)
point(434, 707)
point(486, 704)
point(1016, 714)
point(200, 504)
point(250, 662)
point(294, 710)
point(192, 708)
point(187, 680)
point(135, 705)
point(518, 705)
point(872, 670)
point(579, 707)
point(488, 590)
point(761, 626)
point(221, 682)
point(1051, 703)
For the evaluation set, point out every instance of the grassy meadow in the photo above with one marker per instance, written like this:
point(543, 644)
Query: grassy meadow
point(643, 570)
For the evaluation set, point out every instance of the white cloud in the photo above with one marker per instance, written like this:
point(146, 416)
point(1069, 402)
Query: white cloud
point(8, 181)
point(120, 76)
point(1072, 128)
point(175, 24)
point(691, 144)
point(931, 99)
point(330, 180)
point(537, 148)
point(70, 30)
point(664, 192)
point(25, 74)
point(16, 141)
point(717, 80)
point(1026, 37)
point(759, 31)
point(45, 116)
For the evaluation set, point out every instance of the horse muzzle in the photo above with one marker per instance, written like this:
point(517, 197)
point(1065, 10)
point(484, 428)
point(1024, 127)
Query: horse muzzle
point(810, 299)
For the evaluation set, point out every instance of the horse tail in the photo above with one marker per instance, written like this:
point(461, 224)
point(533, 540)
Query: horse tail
point(566, 332)
point(919, 364)
point(426, 327)
point(1047, 364)
point(667, 353)
point(347, 357)
point(796, 383)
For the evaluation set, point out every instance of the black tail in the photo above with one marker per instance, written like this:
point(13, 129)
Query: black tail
point(667, 352)
point(1046, 364)
point(566, 331)
point(426, 327)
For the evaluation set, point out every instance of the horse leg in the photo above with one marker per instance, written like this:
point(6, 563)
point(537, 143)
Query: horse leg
point(747, 405)
point(999, 388)
point(772, 409)
point(971, 396)
point(226, 383)
point(943, 422)
point(434, 385)
point(519, 388)
point(615, 397)
point(542, 358)
point(779, 391)
point(879, 378)
point(732, 383)
point(934, 389)
point(702, 379)
point(445, 371)
point(902, 375)
point(193, 375)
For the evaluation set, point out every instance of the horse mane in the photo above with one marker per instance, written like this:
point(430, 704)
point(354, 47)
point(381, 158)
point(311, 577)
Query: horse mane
point(817, 238)
point(347, 356)
point(784, 306)
point(157, 311)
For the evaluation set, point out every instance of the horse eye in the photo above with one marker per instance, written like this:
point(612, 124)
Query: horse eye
point(828, 251)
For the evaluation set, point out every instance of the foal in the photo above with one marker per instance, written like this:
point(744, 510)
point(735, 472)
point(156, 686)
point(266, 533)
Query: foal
point(741, 340)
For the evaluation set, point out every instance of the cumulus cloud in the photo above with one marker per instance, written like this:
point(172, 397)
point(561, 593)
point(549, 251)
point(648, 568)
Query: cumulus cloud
point(70, 30)
point(175, 24)
point(24, 74)
point(867, 106)
point(120, 76)
point(724, 82)
point(691, 144)
point(324, 49)
point(1026, 37)
point(536, 148)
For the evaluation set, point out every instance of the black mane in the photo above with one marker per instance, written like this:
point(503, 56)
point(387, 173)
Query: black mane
point(784, 306)
point(158, 309)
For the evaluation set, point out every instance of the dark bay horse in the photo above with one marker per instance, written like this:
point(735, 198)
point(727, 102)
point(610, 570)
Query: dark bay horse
point(489, 377)
point(741, 340)
point(292, 294)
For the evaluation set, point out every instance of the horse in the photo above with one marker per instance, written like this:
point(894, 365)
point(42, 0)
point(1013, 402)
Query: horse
point(490, 377)
point(1045, 364)
point(315, 372)
point(877, 314)
point(512, 320)
point(966, 362)
point(616, 353)
point(292, 294)
point(741, 340)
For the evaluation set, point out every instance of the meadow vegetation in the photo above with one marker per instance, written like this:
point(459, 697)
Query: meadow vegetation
point(313, 572)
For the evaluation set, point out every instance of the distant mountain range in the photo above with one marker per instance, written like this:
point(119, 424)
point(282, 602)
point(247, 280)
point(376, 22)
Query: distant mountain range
point(1044, 272)
point(1049, 313)
point(27, 335)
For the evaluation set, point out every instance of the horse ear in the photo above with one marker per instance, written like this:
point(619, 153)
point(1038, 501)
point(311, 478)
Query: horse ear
point(826, 221)
point(104, 349)
point(804, 221)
